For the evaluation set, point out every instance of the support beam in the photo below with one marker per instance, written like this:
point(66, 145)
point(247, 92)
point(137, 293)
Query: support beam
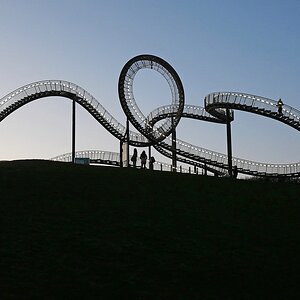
point(73, 130)
point(229, 145)
point(127, 140)
point(121, 154)
point(174, 160)
point(149, 152)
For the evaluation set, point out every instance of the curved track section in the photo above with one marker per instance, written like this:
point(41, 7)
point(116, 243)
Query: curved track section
point(189, 111)
point(60, 88)
point(216, 109)
point(215, 105)
point(143, 124)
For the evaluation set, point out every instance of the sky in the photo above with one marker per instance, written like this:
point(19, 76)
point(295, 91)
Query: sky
point(214, 45)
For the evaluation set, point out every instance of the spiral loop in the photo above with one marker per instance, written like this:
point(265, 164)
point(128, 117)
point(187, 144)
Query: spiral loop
point(146, 125)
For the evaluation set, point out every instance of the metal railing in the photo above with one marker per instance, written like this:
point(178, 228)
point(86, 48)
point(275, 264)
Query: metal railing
point(213, 101)
point(113, 158)
point(244, 101)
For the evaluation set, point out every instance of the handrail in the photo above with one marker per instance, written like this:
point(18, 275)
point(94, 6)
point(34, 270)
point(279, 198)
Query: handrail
point(215, 106)
point(113, 158)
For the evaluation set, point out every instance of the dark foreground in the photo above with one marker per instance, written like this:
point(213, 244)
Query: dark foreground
point(76, 232)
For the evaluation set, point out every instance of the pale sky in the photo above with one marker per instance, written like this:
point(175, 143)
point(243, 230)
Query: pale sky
point(214, 45)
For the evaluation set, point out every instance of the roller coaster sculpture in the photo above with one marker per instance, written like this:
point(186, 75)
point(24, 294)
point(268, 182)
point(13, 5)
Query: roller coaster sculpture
point(218, 108)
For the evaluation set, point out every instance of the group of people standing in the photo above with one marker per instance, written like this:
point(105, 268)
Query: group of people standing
point(143, 158)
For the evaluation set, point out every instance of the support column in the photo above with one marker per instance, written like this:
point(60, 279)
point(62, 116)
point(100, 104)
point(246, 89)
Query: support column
point(174, 162)
point(229, 145)
point(127, 145)
point(73, 130)
point(149, 154)
point(121, 154)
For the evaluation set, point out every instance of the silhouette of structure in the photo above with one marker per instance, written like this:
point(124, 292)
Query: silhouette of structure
point(218, 108)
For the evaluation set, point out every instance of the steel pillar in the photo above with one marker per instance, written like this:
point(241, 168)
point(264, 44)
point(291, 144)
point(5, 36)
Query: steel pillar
point(149, 154)
point(121, 154)
point(73, 130)
point(174, 161)
point(229, 144)
point(127, 145)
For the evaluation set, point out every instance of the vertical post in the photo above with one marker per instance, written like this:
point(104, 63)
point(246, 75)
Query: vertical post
point(121, 154)
point(174, 162)
point(149, 154)
point(229, 146)
point(73, 130)
point(127, 138)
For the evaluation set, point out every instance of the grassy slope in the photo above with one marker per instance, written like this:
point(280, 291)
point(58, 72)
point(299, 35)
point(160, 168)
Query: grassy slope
point(109, 233)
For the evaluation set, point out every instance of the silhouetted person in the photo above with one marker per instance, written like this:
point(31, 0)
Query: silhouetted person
point(151, 162)
point(143, 158)
point(234, 172)
point(279, 105)
point(205, 169)
point(134, 157)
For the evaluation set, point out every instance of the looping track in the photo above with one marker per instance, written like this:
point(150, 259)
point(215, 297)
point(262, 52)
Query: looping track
point(145, 125)
point(215, 105)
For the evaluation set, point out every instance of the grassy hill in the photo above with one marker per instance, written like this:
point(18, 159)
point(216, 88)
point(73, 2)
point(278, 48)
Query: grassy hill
point(84, 232)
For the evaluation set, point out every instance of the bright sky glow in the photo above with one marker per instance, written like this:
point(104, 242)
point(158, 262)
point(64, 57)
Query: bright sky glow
point(220, 45)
